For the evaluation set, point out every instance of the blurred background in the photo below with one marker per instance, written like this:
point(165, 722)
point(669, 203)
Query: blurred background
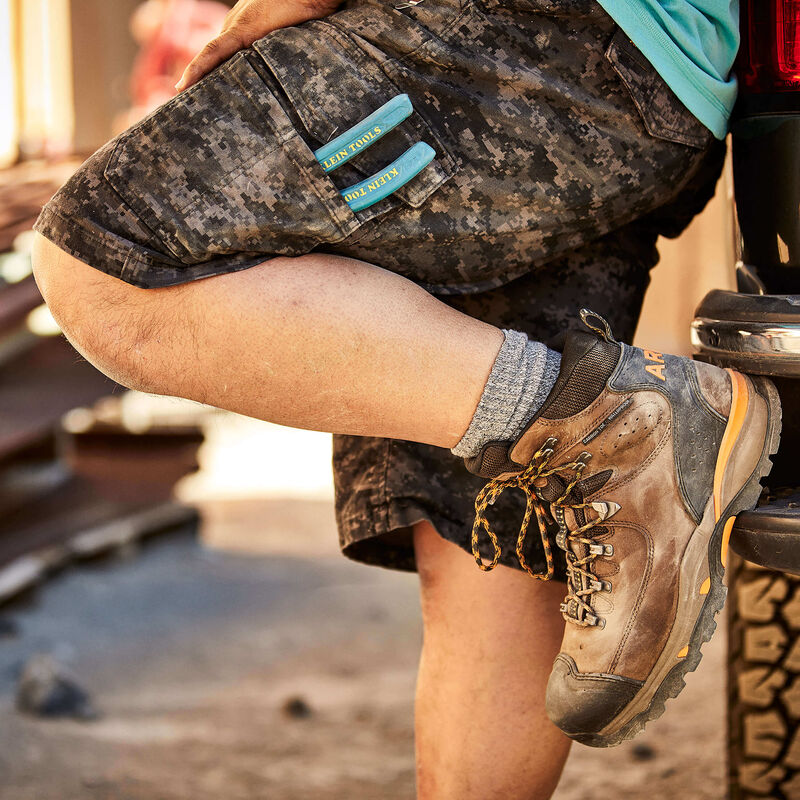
point(175, 620)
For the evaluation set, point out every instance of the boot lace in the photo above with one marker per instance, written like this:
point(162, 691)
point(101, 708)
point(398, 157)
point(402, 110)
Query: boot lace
point(582, 583)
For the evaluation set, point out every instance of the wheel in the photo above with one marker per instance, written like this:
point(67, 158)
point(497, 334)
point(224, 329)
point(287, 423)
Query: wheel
point(763, 683)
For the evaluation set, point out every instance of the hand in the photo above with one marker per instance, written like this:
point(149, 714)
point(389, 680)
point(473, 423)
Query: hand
point(247, 21)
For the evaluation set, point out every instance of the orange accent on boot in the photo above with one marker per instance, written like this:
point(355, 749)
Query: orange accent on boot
point(657, 370)
point(726, 537)
point(704, 589)
point(740, 400)
point(684, 652)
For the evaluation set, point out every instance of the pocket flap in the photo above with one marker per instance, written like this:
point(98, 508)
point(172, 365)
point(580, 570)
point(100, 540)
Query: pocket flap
point(334, 85)
point(663, 113)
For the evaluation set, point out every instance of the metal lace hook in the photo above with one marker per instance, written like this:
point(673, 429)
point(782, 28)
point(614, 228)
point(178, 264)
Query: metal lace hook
point(605, 509)
point(594, 322)
point(546, 450)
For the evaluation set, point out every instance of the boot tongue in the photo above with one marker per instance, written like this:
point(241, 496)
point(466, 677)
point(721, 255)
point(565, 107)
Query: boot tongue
point(553, 489)
point(556, 484)
point(586, 365)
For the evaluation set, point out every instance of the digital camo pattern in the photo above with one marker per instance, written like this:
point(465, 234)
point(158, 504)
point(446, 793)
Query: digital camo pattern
point(533, 107)
point(385, 485)
point(550, 130)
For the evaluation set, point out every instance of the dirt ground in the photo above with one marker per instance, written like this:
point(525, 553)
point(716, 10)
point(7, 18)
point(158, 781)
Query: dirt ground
point(241, 676)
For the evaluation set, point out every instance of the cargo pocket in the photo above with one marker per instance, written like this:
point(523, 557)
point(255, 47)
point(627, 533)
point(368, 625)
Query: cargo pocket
point(662, 113)
point(221, 169)
point(331, 83)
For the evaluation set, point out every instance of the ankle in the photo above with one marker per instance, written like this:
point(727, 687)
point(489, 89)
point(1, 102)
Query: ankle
point(522, 376)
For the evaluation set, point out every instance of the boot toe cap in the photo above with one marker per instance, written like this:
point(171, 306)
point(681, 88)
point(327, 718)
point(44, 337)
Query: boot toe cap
point(582, 704)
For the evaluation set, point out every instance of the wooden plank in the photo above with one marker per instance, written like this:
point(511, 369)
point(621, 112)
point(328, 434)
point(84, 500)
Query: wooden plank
point(100, 474)
point(17, 300)
point(119, 533)
point(126, 466)
point(41, 385)
point(26, 571)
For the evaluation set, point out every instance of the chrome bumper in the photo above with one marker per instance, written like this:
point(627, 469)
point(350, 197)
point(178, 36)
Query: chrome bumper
point(763, 348)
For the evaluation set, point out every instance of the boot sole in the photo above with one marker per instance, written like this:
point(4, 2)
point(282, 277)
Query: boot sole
point(633, 717)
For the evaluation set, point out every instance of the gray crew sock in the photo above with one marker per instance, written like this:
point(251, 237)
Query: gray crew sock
point(522, 376)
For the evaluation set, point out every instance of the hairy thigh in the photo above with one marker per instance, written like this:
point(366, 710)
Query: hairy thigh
point(118, 327)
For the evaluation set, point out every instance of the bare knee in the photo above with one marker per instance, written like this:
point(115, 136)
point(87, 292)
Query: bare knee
point(433, 556)
point(105, 319)
point(455, 592)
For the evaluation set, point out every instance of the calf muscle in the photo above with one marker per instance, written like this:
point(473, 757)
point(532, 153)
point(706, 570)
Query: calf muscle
point(489, 643)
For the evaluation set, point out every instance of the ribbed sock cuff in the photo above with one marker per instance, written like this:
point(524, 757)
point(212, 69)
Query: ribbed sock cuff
point(521, 379)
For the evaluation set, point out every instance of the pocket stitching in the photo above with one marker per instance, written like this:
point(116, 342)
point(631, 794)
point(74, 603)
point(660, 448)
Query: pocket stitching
point(374, 75)
point(366, 62)
point(642, 95)
point(343, 223)
point(143, 214)
point(466, 8)
point(345, 219)
point(340, 213)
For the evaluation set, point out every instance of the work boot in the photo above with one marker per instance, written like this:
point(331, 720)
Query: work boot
point(639, 462)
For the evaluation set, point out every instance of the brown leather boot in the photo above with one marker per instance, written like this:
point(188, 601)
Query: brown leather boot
point(642, 461)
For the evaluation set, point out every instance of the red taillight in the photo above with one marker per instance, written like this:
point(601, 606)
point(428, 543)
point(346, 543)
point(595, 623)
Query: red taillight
point(788, 29)
point(769, 59)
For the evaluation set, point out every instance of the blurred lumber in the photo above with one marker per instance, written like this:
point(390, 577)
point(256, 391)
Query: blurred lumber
point(70, 486)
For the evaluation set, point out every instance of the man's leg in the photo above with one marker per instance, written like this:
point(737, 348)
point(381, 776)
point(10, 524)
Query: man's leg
point(489, 643)
point(319, 342)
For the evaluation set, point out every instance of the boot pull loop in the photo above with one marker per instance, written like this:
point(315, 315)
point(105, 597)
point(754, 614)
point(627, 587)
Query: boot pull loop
point(594, 322)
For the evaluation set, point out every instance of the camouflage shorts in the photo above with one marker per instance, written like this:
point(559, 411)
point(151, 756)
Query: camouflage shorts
point(560, 156)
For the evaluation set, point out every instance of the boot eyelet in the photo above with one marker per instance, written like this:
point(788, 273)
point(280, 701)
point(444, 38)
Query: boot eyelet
point(594, 621)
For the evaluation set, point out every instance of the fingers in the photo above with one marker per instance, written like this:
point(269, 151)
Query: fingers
point(247, 21)
point(211, 56)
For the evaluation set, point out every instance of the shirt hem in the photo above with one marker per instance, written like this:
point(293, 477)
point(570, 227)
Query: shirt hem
point(659, 50)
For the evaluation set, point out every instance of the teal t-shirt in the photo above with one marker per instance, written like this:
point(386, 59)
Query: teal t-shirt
point(692, 44)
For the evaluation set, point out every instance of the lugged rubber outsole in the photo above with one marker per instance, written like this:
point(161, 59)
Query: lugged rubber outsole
point(706, 624)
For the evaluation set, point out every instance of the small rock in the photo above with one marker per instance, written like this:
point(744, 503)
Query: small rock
point(296, 708)
point(45, 689)
point(8, 628)
point(669, 772)
point(643, 752)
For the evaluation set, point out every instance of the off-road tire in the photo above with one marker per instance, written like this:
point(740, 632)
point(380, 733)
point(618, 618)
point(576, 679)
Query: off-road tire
point(763, 683)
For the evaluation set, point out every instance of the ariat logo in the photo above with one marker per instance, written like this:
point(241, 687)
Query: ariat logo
point(657, 367)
